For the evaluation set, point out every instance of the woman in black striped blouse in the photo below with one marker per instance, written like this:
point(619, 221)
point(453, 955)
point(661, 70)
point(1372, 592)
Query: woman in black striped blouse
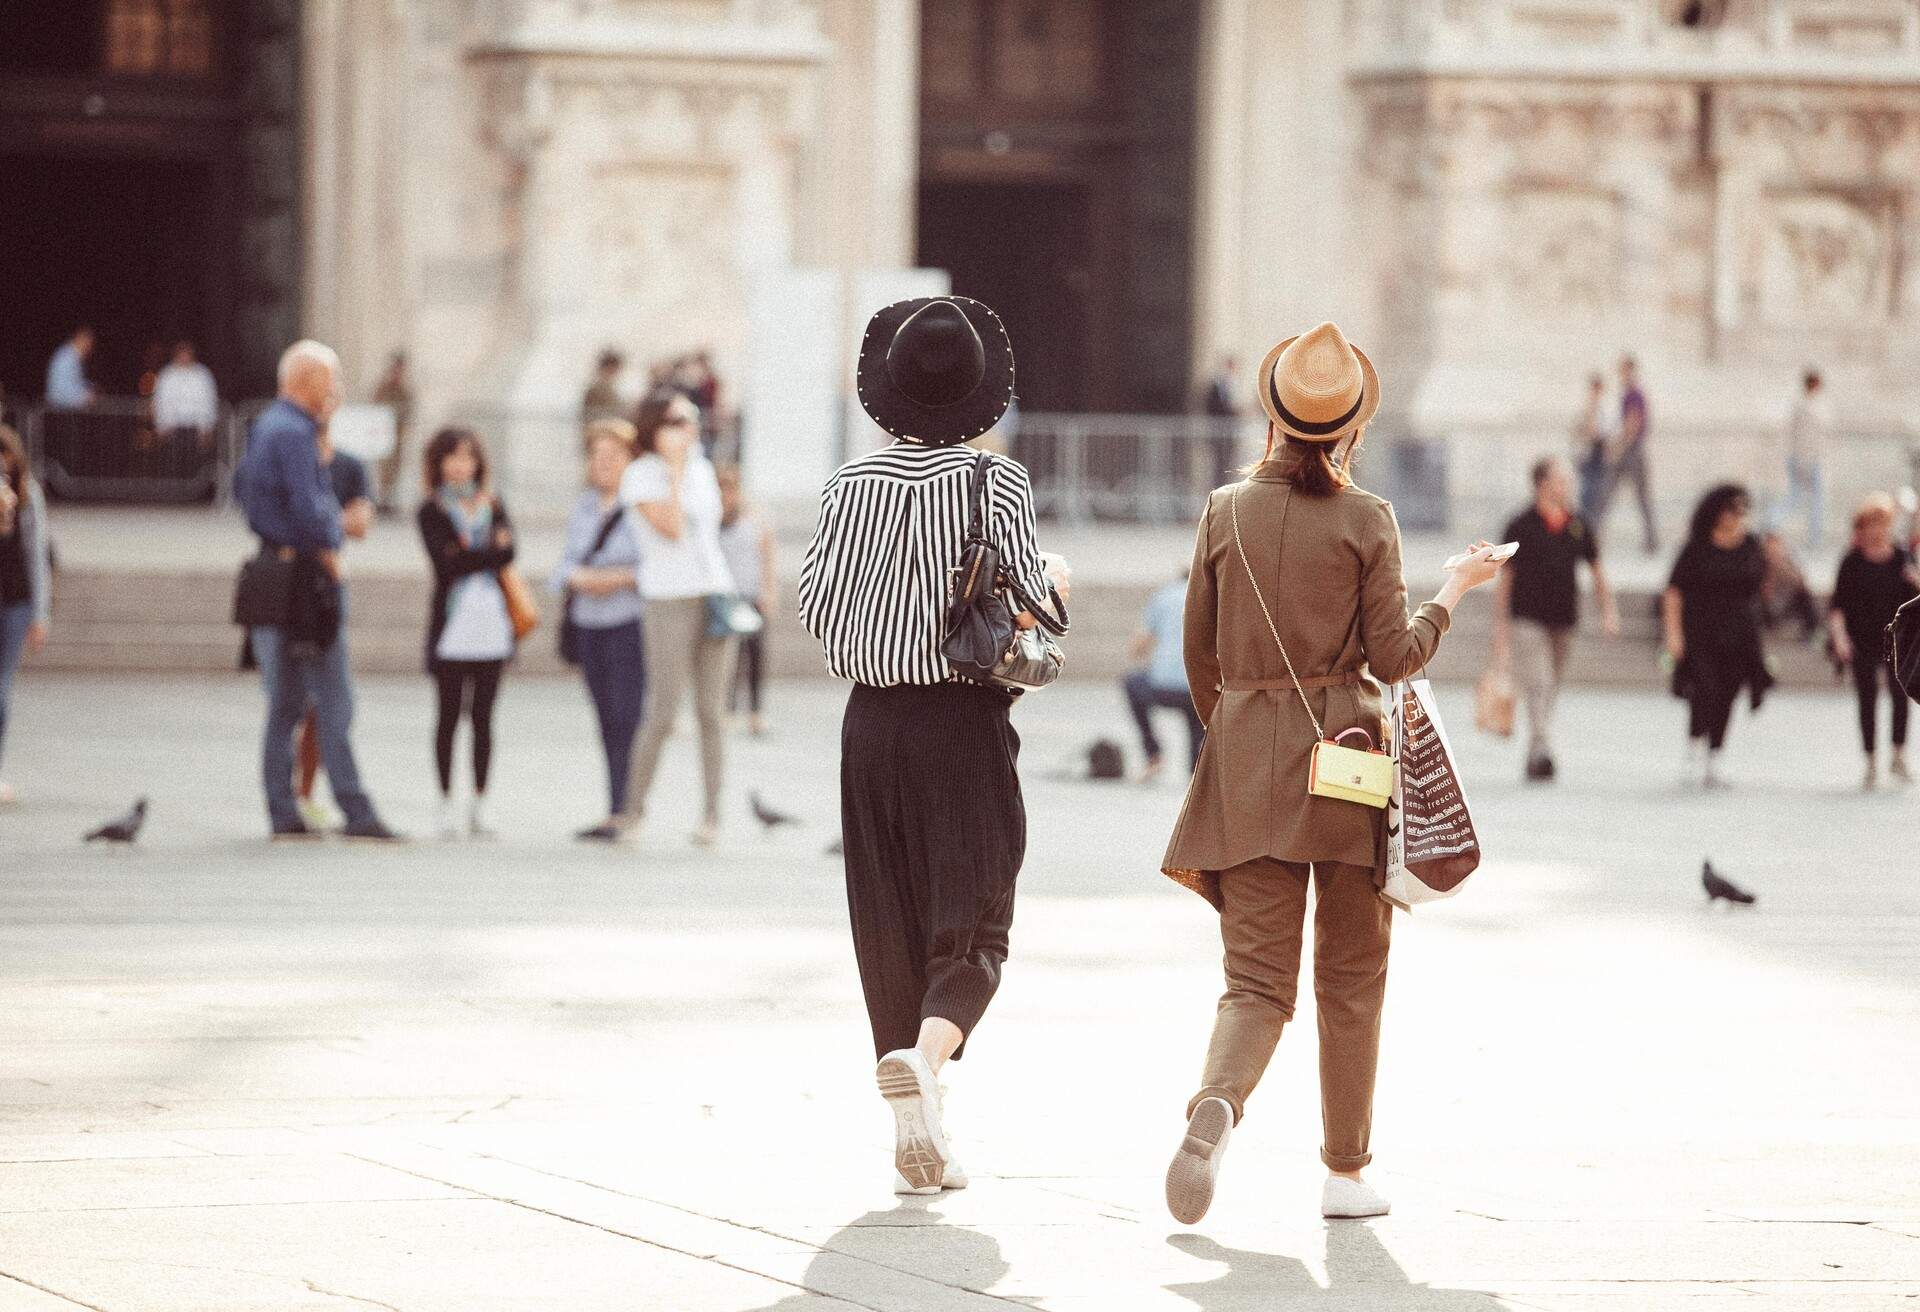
point(933, 823)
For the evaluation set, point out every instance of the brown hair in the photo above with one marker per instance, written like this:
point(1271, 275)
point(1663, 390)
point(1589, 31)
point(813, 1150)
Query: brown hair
point(1875, 505)
point(13, 454)
point(618, 431)
point(1312, 466)
point(651, 417)
point(445, 443)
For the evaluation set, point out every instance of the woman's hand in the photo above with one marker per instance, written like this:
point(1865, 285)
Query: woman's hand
point(1479, 567)
point(1059, 573)
point(1676, 646)
point(1843, 648)
point(502, 538)
point(36, 635)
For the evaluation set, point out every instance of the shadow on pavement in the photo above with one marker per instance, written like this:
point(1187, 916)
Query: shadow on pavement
point(936, 1257)
point(1360, 1274)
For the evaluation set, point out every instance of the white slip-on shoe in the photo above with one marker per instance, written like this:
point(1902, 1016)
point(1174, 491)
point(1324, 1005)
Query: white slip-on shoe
point(920, 1152)
point(1197, 1162)
point(1342, 1197)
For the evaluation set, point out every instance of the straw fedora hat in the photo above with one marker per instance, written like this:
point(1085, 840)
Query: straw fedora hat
point(1318, 387)
point(937, 370)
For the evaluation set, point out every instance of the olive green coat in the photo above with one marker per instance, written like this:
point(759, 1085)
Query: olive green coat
point(1330, 571)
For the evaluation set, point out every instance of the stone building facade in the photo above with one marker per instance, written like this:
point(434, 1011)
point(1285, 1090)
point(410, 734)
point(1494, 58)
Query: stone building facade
point(1496, 196)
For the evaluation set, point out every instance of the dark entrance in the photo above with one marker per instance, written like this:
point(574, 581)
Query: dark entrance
point(1056, 184)
point(150, 169)
point(1023, 248)
point(139, 269)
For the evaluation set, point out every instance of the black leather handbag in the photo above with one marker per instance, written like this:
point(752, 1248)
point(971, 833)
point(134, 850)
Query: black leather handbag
point(263, 594)
point(983, 643)
point(1903, 648)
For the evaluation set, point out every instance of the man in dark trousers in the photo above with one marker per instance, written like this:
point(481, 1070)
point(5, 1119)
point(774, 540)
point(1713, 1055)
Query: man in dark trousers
point(283, 485)
point(1537, 606)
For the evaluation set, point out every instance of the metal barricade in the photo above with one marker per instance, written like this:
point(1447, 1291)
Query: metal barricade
point(1137, 469)
point(111, 451)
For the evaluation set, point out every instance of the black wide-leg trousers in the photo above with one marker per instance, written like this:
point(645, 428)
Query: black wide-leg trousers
point(934, 831)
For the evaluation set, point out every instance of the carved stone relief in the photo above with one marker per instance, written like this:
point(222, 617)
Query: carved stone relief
point(1821, 259)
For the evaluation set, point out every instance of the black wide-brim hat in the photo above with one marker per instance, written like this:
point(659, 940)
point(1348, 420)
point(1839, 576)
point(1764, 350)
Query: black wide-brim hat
point(936, 369)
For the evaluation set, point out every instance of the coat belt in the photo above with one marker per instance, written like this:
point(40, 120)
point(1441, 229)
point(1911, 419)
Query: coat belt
point(1340, 680)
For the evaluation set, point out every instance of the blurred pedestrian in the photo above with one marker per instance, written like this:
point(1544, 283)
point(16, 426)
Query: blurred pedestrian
point(1629, 456)
point(1784, 594)
point(26, 574)
point(469, 540)
point(1161, 680)
point(348, 479)
point(1222, 405)
point(186, 408)
point(1876, 578)
point(1710, 614)
point(1590, 443)
point(1536, 609)
point(931, 812)
point(290, 506)
point(1296, 605)
point(1809, 432)
point(599, 577)
point(753, 560)
point(396, 393)
point(673, 497)
point(67, 385)
point(602, 399)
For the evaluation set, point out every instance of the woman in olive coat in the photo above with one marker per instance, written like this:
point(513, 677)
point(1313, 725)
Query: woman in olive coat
point(1326, 556)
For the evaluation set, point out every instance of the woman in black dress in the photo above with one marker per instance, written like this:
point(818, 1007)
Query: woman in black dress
point(1711, 616)
point(1876, 578)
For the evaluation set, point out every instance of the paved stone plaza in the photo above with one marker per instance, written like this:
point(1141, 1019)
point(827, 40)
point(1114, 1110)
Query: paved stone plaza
point(526, 1075)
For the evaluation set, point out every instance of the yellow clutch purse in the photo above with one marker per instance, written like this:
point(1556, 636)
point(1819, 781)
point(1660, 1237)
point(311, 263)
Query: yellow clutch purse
point(1350, 773)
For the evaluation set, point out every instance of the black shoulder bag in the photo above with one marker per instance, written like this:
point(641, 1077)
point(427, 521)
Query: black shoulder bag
point(569, 631)
point(983, 643)
point(1903, 647)
point(263, 594)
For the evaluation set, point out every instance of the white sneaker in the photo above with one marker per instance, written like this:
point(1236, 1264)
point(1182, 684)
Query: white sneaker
point(1196, 1164)
point(954, 1177)
point(920, 1152)
point(446, 820)
point(1342, 1197)
point(1713, 778)
point(477, 819)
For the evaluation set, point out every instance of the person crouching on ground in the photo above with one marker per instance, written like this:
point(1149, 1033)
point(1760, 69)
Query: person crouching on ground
point(1161, 681)
point(1250, 833)
point(1876, 578)
point(469, 540)
point(931, 812)
point(1537, 605)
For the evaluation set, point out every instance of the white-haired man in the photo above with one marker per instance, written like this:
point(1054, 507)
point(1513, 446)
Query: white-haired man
point(291, 506)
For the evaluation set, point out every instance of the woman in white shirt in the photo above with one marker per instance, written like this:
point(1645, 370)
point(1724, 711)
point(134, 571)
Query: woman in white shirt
point(674, 501)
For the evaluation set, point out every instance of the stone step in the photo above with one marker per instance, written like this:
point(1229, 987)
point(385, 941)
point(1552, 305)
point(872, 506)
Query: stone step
point(174, 622)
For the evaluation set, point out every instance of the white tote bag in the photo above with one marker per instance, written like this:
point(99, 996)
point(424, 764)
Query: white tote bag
point(1431, 843)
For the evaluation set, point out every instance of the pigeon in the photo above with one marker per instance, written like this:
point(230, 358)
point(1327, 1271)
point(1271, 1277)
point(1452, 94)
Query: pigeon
point(768, 817)
point(123, 830)
point(1720, 888)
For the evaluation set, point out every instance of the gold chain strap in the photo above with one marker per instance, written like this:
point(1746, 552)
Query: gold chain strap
point(1234, 503)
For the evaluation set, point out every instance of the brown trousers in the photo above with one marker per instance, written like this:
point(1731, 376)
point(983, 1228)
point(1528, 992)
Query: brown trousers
point(1261, 923)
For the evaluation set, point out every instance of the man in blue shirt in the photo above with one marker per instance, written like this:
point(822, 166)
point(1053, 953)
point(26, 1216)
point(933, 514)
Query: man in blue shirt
point(283, 485)
point(1163, 681)
point(67, 385)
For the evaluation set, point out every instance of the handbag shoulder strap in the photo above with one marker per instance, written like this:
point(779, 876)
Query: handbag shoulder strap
point(977, 498)
point(1234, 504)
point(606, 531)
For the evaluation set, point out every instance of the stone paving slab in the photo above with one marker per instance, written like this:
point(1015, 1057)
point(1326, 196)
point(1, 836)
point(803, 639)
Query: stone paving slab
point(528, 1075)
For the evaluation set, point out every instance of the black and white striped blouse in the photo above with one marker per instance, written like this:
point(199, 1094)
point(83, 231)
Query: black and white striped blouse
point(875, 582)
